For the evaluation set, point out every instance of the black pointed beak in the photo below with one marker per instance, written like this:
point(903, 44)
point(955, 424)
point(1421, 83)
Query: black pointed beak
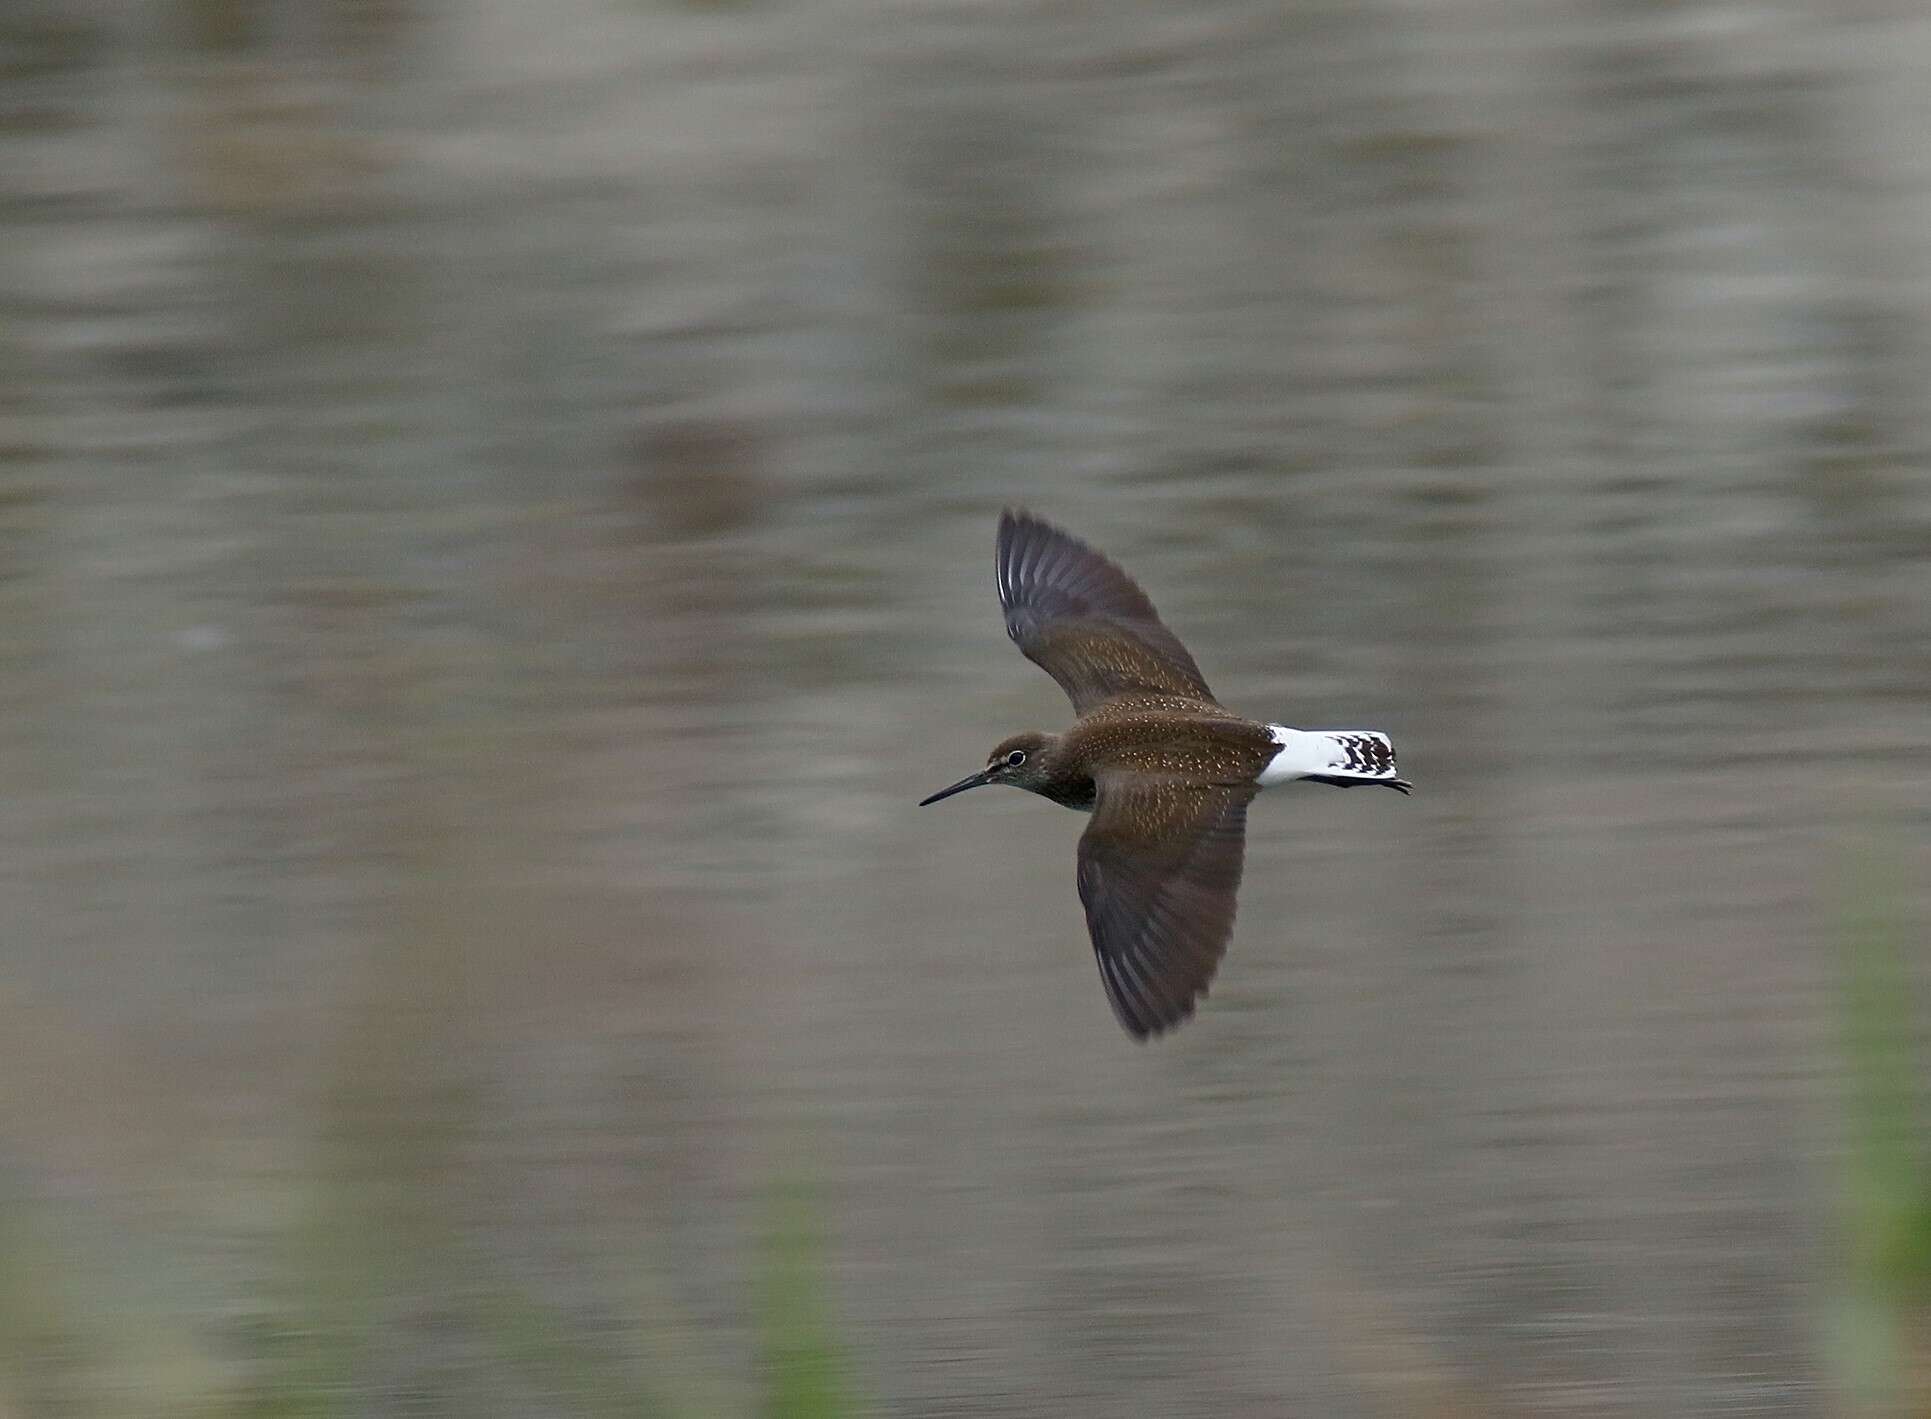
point(978, 780)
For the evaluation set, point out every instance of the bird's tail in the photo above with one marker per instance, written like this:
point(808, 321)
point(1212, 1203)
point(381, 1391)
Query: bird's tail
point(1344, 758)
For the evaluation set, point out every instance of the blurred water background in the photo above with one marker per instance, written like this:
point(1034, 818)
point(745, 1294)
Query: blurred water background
point(496, 506)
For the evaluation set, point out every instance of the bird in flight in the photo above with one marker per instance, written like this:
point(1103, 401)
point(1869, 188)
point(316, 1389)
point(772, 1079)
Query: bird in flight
point(1166, 771)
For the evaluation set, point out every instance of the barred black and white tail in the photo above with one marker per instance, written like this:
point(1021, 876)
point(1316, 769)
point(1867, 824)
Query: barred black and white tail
point(1345, 758)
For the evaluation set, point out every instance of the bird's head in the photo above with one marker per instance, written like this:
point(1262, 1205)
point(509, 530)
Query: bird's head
point(1022, 761)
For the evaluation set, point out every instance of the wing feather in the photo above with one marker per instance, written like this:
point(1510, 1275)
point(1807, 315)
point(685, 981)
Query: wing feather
point(1159, 872)
point(1085, 622)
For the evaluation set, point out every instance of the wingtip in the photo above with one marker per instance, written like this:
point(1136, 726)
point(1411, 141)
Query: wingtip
point(1142, 1026)
point(1010, 520)
point(1143, 1032)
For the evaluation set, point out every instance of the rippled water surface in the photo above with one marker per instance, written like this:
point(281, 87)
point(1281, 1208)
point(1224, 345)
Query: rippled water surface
point(496, 508)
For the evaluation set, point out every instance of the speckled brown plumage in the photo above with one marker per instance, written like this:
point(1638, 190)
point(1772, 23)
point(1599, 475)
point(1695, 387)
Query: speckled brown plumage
point(1166, 770)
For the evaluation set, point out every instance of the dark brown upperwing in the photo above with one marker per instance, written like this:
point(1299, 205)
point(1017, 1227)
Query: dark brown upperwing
point(1159, 869)
point(1083, 621)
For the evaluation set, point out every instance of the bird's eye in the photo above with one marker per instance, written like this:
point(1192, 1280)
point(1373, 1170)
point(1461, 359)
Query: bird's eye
point(1015, 758)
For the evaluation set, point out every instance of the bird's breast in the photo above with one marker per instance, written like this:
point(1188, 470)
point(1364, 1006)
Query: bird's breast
point(1078, 794)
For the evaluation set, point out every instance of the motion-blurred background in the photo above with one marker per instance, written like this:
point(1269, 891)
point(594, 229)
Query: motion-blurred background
point(496, 510)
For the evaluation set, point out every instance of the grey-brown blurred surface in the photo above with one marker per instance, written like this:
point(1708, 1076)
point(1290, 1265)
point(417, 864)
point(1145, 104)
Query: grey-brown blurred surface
point(496, 506)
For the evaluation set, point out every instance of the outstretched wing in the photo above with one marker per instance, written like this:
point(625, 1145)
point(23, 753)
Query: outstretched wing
point(1083, 620)
point(1159, 868)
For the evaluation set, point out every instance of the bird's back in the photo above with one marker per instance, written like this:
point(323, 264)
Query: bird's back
point(1170, 737)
